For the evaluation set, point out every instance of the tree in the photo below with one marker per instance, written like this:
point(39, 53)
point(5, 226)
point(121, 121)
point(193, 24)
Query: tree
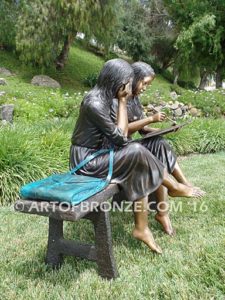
point(9, 11)
point(201, 41)
point(146, 33)
point(46, 29)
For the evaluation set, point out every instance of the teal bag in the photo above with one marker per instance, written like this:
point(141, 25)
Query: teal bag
point(69, 187)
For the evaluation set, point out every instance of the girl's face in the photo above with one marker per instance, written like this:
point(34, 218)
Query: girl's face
point(143, 84)
point(126, 89)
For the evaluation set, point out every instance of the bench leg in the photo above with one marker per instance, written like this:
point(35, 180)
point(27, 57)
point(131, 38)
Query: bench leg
point(53, 257)
point(103, 242)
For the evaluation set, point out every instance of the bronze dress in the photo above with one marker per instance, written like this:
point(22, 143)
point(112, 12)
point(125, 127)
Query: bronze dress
point(158, 146)
point(135, 169)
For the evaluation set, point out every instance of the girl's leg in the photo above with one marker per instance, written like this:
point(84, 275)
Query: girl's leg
point(179, 175)
point(176, 189)
point(162, 215)
point(141, 230)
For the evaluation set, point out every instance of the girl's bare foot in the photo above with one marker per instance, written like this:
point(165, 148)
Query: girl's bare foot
point(182, 190)
point(164, 220)
point(188, 183)
point(147, 237)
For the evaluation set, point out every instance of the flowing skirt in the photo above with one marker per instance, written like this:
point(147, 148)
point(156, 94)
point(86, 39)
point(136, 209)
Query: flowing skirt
point(160, 148)
point(135, 169)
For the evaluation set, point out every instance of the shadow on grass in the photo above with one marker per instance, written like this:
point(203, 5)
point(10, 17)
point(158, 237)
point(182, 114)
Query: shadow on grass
point(33, 267)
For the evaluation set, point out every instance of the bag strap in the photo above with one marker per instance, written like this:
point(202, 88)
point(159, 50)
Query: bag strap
point(92, 156)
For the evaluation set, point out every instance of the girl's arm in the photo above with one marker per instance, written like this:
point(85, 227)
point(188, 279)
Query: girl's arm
point(122, 120)
point(142, 124)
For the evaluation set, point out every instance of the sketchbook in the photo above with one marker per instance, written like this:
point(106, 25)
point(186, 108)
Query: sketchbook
point(160, 132)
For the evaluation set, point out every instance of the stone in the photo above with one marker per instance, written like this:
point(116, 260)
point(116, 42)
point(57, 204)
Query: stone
point(43, 80)
point(173, 95)
point(174, 106)
point(7, 112)
point(178, 112)
point(150, 107)
point(2, 93)
point(185, 108)
point(194, 112)
point(162, 103)
point(2, 81)
point(157, 108)
point(5, 72)
point(4, 123)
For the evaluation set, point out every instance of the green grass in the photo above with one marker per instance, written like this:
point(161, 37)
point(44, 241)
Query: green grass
point(211, 103)
point(191, 266)
point(80, 64)
point(31, 151)
point(34, 103)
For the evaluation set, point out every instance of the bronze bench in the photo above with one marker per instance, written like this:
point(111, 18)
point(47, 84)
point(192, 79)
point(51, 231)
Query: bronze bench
point(101, 251)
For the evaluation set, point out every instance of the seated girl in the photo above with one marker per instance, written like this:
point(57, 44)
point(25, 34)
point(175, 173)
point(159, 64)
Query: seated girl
point(158, 146)
point(136, 170)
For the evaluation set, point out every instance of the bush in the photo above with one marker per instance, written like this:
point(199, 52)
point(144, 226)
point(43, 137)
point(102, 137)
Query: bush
point(176, 88)
point(8, 18)
point(201, 136)
point(31, 106)
point(30, 153)
point(91, 80)
point(211, 103)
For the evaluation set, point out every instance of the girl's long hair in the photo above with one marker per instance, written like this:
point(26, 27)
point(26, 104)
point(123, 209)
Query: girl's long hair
point(141, 70)
point(114, 74)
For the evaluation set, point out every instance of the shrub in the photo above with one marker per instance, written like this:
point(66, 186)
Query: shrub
point(31, 107)
point(8, 17)
point(30, 153)
point(176, 88)
point(202, 136)
point(91, 80)
point(211, 103)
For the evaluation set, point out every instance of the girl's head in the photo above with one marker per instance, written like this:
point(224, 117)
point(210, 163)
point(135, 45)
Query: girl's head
point(143, 76)
point(115, 74)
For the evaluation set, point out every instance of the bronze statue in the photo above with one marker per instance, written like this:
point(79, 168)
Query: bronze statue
point(158, 146)
point(136, 170)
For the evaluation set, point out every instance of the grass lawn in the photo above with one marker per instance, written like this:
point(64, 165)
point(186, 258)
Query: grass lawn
point(191, 266)
point(80, 64)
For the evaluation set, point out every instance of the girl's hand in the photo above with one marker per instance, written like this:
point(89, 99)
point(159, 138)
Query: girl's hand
point(159, 117)
point(124, 92)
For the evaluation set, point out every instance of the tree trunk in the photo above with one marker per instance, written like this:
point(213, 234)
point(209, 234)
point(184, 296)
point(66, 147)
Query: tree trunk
point(219, 79)
point(203, 81)
point(176, 75)
point(63, 56)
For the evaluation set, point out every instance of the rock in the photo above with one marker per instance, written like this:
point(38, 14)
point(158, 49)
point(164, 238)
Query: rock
point(4, 123)
point(173, 95)
point(7, 112)
point(2, 81)
point(43, 80)
point(194, 112)
point(2, 93)
point(185, 107)
point(157, 108)
point(178, 112)
point(5, 72)
point(150, 107)
point(162, 103)
point(174, 106)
